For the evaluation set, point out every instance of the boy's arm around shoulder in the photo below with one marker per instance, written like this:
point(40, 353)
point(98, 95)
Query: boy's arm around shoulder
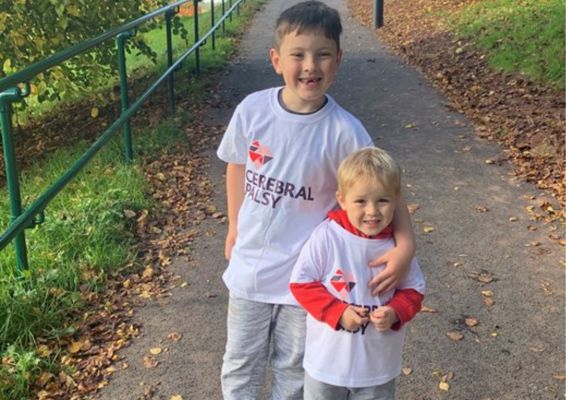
point(306, 282)
point(398, 259)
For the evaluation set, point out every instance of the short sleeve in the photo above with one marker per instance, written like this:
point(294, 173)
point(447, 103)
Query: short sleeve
point(233, 147)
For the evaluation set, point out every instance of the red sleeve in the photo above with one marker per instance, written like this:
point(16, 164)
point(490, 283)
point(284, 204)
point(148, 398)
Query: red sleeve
point(318, 302)
point(406, 303)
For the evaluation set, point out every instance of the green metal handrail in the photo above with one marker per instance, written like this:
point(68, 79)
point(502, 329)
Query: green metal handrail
point(9, 93)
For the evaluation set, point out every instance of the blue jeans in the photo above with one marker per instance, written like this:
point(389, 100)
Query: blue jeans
point(252, 326)
point(316, 390)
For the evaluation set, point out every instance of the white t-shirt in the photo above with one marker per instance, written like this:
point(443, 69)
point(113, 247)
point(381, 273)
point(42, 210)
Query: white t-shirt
point(339, 260)
point(290, 184)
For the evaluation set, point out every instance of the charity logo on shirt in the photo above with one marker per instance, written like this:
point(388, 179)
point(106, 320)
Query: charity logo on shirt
point(259, 154)
point(267, 190)
point(343, 283)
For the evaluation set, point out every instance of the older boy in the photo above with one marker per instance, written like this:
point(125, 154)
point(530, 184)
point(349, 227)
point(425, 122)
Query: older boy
point(282, 147)
point(344, 359)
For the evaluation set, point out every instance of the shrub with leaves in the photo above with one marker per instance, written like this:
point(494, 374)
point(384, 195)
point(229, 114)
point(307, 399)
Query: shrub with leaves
point(33, 30)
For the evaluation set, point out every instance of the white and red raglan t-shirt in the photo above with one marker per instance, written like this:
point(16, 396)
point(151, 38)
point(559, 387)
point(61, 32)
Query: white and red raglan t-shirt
point(339, 260)
point(290, 184)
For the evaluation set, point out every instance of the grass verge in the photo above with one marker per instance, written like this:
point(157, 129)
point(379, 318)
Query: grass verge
point(525, 36)
point(87, 237)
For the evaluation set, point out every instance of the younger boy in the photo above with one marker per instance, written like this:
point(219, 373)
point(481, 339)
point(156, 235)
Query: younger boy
point(282, 147)
point(344, 358)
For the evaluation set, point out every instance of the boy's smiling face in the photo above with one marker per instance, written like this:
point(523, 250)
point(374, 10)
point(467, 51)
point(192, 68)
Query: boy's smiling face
point(369, 204)
point(308, 63)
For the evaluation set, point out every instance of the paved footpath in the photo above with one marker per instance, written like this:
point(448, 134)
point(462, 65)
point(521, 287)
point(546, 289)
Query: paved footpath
point(516, 350)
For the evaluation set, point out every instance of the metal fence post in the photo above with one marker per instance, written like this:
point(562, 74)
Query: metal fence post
point(120, 40)
point(12, 178)
point(197, 50)
point(212, 24)
point(170, 81)
point(230, 4)
point(377, 13)
point(223, 20)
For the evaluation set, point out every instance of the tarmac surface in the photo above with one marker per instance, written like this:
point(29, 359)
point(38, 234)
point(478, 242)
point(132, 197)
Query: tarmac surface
point(473, 235)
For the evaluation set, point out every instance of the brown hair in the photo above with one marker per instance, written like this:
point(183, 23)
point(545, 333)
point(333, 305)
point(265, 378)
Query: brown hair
point(309, 16)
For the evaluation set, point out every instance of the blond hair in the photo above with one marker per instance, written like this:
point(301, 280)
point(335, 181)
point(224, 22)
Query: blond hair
point(370, 163)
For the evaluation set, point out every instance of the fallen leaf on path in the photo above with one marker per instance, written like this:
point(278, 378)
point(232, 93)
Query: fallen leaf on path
point(176, 397)
point(481, 209)
point(547, 288)
point(175, 336)
point(155, 350)
point(488, 301)
point(471, 321)
point(482, 277)
point(413, 208)
point(444, 386)
point(533, 244)
point(428, 309)
point(487, 293)
point(428, 229)
point(560, 377)
point(513, 219)
point(455, 335)
point(447, 377)
point(150, 362)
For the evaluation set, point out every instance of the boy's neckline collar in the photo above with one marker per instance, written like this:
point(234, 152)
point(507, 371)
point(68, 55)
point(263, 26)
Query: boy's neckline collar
point(280, 101)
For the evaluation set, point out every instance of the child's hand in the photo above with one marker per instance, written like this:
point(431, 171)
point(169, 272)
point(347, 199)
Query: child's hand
point(229, 244)
point(383, 318)
point(354, 317)
point(396, 266)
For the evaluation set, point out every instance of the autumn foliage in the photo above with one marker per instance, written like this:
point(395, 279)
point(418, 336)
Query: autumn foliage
point(32, 31)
